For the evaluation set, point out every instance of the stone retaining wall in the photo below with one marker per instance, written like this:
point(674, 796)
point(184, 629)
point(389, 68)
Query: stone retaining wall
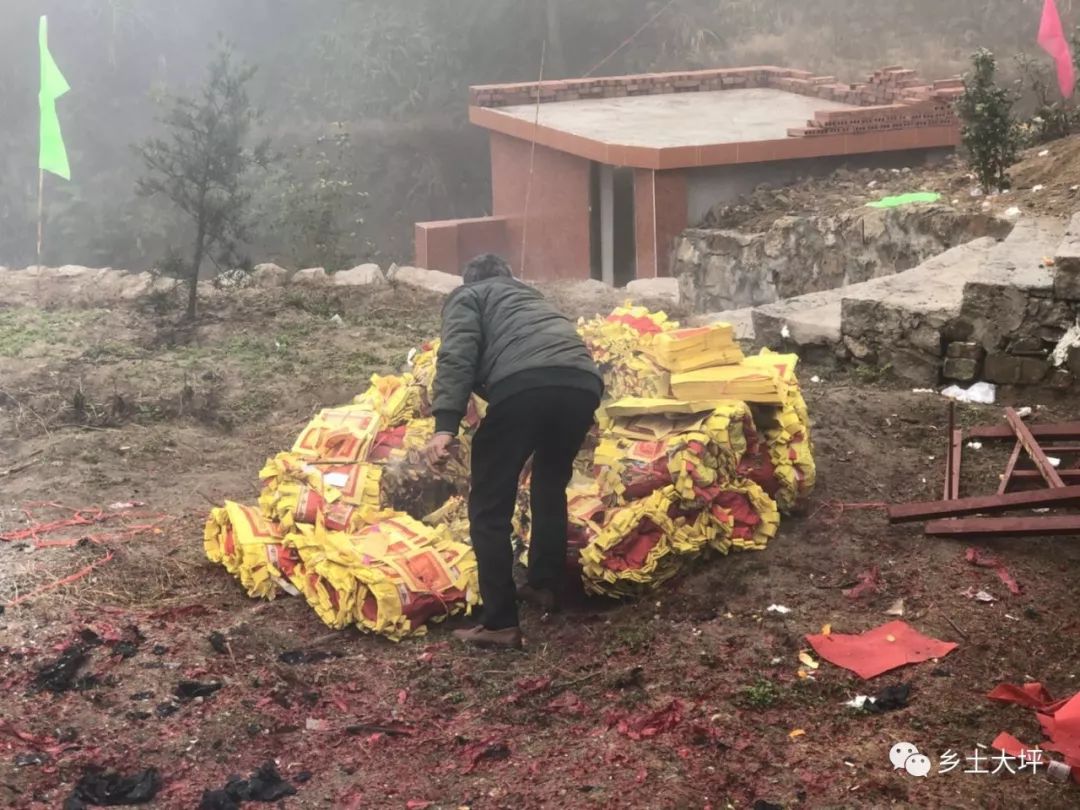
point(723, 269)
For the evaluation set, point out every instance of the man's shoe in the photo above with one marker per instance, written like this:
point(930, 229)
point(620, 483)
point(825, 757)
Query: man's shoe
point(510, 637)
point(538, 597)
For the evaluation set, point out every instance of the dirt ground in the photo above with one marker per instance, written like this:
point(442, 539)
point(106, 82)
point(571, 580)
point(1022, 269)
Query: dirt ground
point(685, 700)
point(1046, 182)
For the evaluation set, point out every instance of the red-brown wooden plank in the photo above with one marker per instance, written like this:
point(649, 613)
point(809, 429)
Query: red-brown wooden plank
point(905, 512)
point(1028, 475)
point(1043, 526)
point(1055, 431)
point(1046, 469)
point(1010, 468)
point(1053, 449)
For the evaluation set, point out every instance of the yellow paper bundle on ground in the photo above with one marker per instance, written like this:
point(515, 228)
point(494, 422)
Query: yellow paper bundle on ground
point(341, 435)
point(638, 455)
point(745, 381)
point(251, 548)
point(684, 350)
point(642, 545)
point(618, 342)
point(299, 491)
point(390, 577)
point(745, 516)
point(669, 474)
point(783, 463)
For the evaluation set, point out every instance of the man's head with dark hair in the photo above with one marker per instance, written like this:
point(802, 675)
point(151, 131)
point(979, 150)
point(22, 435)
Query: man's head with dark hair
point(485, 266)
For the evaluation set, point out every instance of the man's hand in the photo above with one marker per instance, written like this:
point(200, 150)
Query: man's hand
point(437, 450)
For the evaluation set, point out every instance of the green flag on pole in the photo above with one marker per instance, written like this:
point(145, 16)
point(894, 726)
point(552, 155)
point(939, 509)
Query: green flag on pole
point(53, 155)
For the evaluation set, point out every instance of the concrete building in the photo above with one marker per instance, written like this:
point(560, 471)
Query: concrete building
point(594, 178)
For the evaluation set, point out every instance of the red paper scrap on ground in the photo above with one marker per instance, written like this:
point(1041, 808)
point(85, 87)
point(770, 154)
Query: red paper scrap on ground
point(983, 560)
point(1063, 727)
point(1060, 720)
point(652, 723)
point(869, 583)
point(1013, 747)
point(1052, 40)
point(1032, 695)
point(879, 650)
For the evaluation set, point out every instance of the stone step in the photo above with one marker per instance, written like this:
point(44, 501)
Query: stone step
point(816, 319)
point(906, 322)
point(1012, 315)
point(1011, 283)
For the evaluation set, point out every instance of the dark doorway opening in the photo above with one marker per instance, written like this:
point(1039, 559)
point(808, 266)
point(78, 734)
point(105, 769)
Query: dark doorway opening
point(625, 244)
point(612, 231)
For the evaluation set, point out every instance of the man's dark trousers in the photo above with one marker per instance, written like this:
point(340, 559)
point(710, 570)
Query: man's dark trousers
point(550, 425)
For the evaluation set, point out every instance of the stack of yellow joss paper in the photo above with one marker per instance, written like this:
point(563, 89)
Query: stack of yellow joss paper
point(324, 528)
point(698, 449)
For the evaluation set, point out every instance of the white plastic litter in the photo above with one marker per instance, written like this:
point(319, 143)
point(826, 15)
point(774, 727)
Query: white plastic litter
point(974, 445)
point(983, 393)
point(1054, 462)
point(1069, 341)
point(785, 332)
point(1024, 412)
point(923, 391)
point(781, 609)
point(1037, 188)
point(1012, 212)
point(1044, 153)
point(815, 379)
point(859, 701)
point(896, 608)
point(337, 321)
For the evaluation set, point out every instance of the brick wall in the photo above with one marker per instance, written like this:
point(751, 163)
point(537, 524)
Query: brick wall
point(892, 98)
point(558, 240)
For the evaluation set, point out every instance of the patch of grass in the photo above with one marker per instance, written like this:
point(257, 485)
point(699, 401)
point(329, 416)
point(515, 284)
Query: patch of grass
point(255, 404)
point(361, 364)
point(26, 332)
point(110, 350)
point(314, 302)
point(632, 637)
point(762, 694)
point(866, 374)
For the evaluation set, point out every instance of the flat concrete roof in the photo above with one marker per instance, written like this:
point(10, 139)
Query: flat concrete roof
point(680, 119)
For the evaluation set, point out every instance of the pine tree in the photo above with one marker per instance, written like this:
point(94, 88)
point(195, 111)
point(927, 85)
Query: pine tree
point(989, 131)
point(204, 164)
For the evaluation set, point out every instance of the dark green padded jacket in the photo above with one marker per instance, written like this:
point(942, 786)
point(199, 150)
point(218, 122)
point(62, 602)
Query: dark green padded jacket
point(500, 337)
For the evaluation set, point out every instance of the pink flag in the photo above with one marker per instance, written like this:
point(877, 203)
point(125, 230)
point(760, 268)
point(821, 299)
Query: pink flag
point(1052, 40)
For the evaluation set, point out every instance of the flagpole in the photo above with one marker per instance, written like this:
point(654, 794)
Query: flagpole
point(40, 213)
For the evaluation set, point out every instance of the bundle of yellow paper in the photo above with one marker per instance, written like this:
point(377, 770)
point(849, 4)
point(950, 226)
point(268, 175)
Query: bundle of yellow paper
point(251, 548)
point(391, 577)
point(748, 381)
point(697, 347)
point(618, 343)
point(677, 465)
point(642, 545)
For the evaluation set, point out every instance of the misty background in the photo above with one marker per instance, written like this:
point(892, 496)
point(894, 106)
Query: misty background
point(365, 101)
